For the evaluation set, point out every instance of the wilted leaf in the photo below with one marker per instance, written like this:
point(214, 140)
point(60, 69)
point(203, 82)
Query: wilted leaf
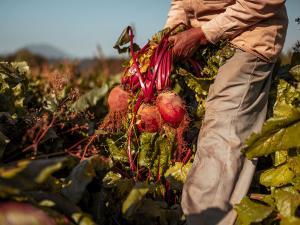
point(124, 39)
point(134, 199)
point(276, 177)
point(251, 212)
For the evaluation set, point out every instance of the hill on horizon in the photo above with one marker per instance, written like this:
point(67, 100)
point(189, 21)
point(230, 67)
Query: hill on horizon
point(46, 50)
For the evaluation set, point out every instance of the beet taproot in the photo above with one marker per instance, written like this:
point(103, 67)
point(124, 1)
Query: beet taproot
point(171, 108)
point(118, 102)
point(148, 119)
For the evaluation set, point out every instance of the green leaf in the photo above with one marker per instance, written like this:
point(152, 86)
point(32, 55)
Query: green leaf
point(296, 183)
point(286, 202)
point(111, 179)
point(29, 174)
point(117, 153)
point(287, 94)
point(13, 87)
point(268, 199)
point(251, 212)
point(83, 174)
point(294, 164)
point(89, 99)
point(290, 221)
point(281, 131)
point(82, 219)
point(284, 138)
point(280, 157)
point(277, 177)
point(147, 141)
point(152, 211)
point(165, 147)
point(295, 72)
point(177, 174)
point(134, 199)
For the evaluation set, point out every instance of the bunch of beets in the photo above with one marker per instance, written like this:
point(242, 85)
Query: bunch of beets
point(145, 93)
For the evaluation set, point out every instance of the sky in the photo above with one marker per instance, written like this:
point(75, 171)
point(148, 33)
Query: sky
point(78, 26)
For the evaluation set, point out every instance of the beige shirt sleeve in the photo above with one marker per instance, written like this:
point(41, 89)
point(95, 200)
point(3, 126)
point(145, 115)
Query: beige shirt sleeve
point(176, 14)
point(237, 17)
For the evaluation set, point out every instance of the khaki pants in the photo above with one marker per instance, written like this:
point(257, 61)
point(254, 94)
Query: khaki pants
point(236, 106)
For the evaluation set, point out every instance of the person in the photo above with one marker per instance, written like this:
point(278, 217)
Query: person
point(237, 100)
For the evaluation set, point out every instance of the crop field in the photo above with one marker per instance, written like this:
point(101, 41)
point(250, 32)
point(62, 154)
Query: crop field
point(112, 141)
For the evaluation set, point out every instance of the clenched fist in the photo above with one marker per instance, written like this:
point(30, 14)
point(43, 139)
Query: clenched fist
point(187, 42)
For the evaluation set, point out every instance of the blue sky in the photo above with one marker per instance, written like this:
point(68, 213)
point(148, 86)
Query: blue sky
point(77, 26)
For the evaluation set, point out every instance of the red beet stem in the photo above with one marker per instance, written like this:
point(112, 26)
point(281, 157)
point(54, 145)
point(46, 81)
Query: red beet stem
point(135, 61)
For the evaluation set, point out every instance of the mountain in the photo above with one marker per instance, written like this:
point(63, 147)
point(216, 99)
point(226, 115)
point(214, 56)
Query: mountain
point(47, 51)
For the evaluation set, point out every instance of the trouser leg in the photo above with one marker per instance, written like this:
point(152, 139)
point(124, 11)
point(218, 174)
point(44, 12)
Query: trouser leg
point(236, 106)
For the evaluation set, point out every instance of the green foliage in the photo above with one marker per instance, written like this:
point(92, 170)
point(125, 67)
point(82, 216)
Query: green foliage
point(281, 131)
point(177, 174)
point(134, 199)
point(89, 99)
point(146, 155)
point(47, 115)
point(13, 87)
point(278, 140)
point(251, 212)
point(295, 72)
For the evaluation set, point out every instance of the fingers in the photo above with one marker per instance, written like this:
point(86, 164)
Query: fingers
point(172, 40)
point(177, 50)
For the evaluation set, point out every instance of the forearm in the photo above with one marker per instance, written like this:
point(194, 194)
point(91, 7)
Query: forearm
point(239, 16)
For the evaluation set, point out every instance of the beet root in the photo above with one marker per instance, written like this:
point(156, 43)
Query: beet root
point(171, 108)
point(148, 119)
point(118, 101)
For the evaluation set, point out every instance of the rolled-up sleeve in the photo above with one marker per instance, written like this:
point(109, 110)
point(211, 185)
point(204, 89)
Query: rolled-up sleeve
point(239, 16)
point(176, 14)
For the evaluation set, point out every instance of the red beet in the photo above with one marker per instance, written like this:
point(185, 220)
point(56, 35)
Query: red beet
point(118, 101)
point(171, 108)
point(16, 213)
point(148, 119)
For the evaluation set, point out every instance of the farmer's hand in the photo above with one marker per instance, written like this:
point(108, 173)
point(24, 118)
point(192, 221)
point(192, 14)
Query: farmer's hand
point(187, 42)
